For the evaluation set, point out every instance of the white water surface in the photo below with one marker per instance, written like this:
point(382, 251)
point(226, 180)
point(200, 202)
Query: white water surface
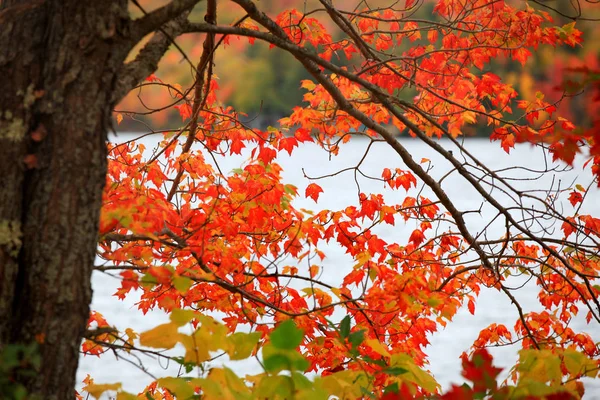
point(340, 191)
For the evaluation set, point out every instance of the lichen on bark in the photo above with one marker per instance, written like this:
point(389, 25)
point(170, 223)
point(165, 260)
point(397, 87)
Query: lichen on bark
point(10, 236)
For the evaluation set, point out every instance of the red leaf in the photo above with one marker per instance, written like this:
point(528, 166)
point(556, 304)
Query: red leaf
point(567, 227)
point(313, 190)
point(471, 306)
point(480, 371)
point(417, 237)
point(288, 144)
point(185, 110)
point(153, 78)
point(266, 155)
point(236, 146)
point(303, 135)
point(575, 197)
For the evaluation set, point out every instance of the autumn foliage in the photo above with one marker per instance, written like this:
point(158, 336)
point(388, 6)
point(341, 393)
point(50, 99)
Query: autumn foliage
point(229, 253)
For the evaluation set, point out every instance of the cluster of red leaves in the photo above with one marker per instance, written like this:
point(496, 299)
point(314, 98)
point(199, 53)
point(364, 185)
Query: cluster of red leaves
point(230, 242)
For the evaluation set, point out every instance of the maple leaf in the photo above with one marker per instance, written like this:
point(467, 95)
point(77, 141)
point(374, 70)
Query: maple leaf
point(575, 197)
point(480, 371)
point(463, 392)
point(565, 151)
point(267, 154)
point(288, 144)
point(507, 140)
point(237, 146)
point(417, 237)
point(303, 135)
point(313, 190)
point(185, 111)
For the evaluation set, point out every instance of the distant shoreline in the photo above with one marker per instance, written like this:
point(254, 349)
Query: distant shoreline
point(133, 134)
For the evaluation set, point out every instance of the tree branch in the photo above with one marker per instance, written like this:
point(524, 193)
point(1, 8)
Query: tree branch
point(202, 87)
point(157, 18)
point(146, 62)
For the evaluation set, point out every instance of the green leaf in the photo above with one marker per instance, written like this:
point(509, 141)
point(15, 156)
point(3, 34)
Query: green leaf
point(395, 371)
point(290, 189)
point(275, 360)
point(393, 388)
point(276, 387)
point(367, 393)
point(345, 327)
point(301, 381)
point(189, 367)
point(356, 338)
point(370, 360)
point(148, 281)
point(286, 335)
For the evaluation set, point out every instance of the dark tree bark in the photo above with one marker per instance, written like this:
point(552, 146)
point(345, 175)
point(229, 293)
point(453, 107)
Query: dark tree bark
point(62, 70)
point(59, 64)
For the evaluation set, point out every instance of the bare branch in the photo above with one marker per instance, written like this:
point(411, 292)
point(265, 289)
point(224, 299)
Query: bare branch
point(202, 87)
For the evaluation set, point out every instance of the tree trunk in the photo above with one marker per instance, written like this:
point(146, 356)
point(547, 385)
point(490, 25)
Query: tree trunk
point(59, 61)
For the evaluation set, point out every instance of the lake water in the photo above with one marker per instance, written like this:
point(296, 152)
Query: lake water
point(341, 191)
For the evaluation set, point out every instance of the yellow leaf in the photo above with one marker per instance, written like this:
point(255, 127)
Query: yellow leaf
point(196, 349)
point(414, 373)
point(164, 336)
point(308, 85)
point(377, 347)
point(362, 259)
point(242, 344)
point(178, 386)
point(469, 117)
point(344, 384)
point(540, 366)
point(126, 396)
point(97, 390)
point(181, 317)
point(227, 379)
point(131, 336)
